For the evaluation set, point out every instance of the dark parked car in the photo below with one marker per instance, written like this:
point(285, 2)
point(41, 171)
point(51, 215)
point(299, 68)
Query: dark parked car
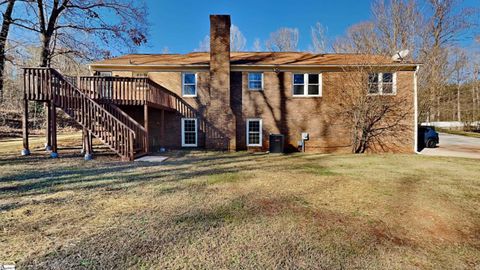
point(427, 137)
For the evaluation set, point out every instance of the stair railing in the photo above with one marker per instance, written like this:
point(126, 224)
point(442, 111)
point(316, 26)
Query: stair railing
point(47, 84)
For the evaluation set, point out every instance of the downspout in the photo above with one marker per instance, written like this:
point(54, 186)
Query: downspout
point(415, 110)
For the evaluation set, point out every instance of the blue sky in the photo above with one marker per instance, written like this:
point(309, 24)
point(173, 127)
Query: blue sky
point(181, 24)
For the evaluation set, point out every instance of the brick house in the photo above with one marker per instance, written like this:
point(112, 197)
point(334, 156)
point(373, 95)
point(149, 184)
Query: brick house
point(226, 100)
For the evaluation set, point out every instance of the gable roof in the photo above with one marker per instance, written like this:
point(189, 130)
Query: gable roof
point(251, 59)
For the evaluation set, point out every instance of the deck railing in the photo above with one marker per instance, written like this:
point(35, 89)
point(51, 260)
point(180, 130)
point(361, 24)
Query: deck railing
point(46, 84)
point(140, 91)
point(141, 137)
point(126, 91)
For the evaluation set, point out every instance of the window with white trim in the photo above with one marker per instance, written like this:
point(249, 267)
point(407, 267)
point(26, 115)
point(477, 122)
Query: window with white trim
point(255, 81)
point(189, 132)
point(307, 85)
point(254, 132)
point(189, 84)
point(137, 74)
point(382, 83)
point(105, 74)
point(140, 86)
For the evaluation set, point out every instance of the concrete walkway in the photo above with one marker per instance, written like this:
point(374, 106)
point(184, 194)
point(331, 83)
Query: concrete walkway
point(455, 146)
point(155, 159)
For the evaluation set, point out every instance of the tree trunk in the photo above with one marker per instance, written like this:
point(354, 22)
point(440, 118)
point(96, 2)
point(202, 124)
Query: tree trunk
point(7, 20)
point(459, 116)
point(474, 104)
point(438, 109)
point(45, 54)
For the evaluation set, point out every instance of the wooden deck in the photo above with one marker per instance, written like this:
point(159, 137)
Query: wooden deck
point(93, 101)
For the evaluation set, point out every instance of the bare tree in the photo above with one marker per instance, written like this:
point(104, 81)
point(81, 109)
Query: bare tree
point(87, 29)
point(364, 100)
point(203, 45)
point(283, 40)
point(7, 21)
point(447, 23)
point(319, 38)
point(475, 85)
point(237, 39)
point(459, 65)
point(397, 23)
point(394, 27)
point(165, 50)
point(360, 38)
point(257, 45)
point(427, 28)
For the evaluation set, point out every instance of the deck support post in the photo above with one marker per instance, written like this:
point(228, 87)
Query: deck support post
point(84, 145)
point(87, 144)
point(53, 130)
point(145, 123)
point(26, 149)
point(90, 142)
point(48, 131)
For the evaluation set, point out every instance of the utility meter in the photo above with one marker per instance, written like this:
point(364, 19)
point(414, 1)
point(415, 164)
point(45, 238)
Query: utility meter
point(305, 136)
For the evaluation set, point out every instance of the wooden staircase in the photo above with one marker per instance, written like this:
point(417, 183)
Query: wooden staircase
point(123, 136)
point(92, 102)
point(141, 135)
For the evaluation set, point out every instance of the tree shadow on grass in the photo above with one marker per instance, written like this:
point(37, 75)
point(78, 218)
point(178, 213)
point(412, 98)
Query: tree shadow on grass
point(117, 176)
point(320, 237)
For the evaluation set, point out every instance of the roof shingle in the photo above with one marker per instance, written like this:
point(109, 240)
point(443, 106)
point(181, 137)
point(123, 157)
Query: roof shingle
point(250, 58)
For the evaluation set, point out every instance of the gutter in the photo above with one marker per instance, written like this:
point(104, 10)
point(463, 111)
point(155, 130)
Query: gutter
point(415, 109)
point(328, 66)
point(149, 65)
point(250, 65)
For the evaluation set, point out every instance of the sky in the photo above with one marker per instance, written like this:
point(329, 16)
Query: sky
point(180, 25)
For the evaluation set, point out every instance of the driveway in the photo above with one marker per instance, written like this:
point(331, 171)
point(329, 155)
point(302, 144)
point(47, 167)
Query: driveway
point(455, 146)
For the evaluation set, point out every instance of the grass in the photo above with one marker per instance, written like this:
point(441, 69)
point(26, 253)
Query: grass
point(459, 132)
point(238, 210)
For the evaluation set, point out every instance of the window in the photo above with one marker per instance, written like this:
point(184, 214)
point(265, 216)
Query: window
point(105, 74)
point(255, 81)
point(103, 85)
point(189, 84)
point(307, 85)
point(140, 74)
point(382, 83)
point(387, 83)
point(189, 132)
point(254, 132)
point(373, 85)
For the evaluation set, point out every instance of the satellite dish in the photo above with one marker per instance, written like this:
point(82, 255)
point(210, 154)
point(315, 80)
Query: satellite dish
point(400, 55)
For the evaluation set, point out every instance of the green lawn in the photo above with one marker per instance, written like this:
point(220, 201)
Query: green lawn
point(219, 210)
point(460, 132)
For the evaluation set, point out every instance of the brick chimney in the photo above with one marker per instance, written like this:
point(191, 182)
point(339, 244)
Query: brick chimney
point(219, 111)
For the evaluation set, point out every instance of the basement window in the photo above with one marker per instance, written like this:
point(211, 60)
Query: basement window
point(307, 85)
point(189, 132)
point(382, 83)
point(254, 132)
point(189, 84)
point(255, 81)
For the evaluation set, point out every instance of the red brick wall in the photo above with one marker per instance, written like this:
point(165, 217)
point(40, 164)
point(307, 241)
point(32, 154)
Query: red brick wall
point(285, 114)
point(218, 110)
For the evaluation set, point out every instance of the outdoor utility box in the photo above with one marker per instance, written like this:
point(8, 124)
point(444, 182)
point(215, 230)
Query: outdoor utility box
point(277, 143)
